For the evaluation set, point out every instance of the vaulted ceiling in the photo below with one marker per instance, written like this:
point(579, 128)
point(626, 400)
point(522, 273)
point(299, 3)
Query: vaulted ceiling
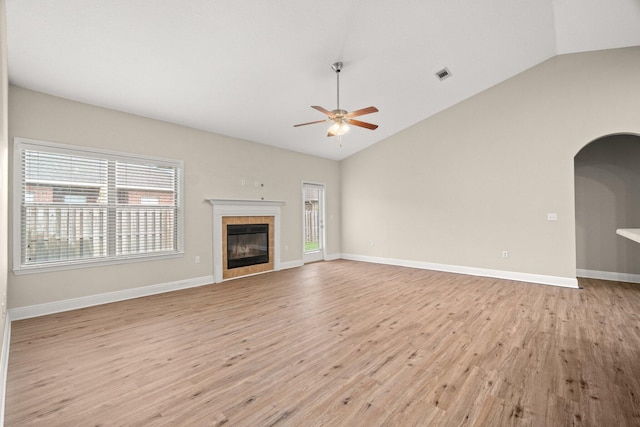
point(251, 69)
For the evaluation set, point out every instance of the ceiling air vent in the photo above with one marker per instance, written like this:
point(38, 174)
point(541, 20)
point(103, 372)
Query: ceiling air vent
point(444, 73)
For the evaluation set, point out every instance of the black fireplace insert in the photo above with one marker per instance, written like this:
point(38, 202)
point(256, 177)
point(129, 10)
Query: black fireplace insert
point(247, 244)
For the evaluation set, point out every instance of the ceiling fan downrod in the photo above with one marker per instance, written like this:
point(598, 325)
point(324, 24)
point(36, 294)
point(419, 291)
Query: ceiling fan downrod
point(337, 66)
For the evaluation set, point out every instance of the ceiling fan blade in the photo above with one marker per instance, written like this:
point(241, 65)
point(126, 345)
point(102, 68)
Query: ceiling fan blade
point(323, 110)
point(310, 123)
point(362, 112)
point(363, 124)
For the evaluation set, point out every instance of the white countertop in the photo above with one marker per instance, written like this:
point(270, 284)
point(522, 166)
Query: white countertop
point(630, 233)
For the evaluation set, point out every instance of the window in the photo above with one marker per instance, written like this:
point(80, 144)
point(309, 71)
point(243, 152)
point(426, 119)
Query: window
point(75, 206)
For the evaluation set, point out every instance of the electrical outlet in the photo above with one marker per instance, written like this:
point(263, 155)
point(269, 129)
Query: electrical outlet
point(197, 259)
point(505, 254)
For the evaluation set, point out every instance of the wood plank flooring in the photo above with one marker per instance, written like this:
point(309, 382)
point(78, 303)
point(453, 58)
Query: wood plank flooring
point(337, 343)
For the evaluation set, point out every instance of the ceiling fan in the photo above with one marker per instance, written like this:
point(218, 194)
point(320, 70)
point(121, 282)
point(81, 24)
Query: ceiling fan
point(341, 118)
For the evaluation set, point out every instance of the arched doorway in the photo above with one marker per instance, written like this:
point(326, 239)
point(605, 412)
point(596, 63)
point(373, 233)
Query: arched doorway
point(607, 197)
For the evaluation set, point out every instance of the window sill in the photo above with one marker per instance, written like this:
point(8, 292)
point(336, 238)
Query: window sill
point(91, 263)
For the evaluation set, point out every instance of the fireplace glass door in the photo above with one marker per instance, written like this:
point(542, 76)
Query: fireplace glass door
point(247, 244)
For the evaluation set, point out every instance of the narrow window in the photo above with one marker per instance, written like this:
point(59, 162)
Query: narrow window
point(313, 216)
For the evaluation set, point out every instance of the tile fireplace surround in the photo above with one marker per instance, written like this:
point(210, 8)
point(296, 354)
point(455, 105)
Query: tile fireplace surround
point(227, 208)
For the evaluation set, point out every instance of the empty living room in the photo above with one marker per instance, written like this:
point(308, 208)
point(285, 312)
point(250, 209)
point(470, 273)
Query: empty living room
point(338, 213)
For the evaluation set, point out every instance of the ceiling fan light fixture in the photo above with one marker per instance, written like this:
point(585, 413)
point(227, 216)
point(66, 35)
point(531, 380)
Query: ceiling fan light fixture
point(339, 128)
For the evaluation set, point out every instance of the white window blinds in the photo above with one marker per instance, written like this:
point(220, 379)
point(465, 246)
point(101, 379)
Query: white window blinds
point(79, 206)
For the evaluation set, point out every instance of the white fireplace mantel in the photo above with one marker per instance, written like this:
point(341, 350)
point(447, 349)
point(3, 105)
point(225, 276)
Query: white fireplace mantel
point(233, 207)
point(630, 233)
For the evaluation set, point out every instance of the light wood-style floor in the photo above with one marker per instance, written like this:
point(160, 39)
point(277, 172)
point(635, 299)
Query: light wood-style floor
point(337, 344)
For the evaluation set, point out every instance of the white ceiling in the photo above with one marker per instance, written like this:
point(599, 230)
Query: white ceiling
point(252, 68)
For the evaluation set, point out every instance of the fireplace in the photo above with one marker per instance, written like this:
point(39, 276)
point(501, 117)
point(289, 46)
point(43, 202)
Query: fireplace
point(244, 212)
point(247, 244)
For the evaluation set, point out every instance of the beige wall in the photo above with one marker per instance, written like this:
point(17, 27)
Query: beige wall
point(480, 177)
point(214, 167)
point(607, 198)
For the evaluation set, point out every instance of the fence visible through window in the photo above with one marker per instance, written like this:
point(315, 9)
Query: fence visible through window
point(58, 233)
point(311, 231)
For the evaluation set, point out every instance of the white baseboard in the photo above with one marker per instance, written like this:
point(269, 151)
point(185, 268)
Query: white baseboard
point(291, 264)
point(332, 257)
point(567, 282)
point(91, 300)
point(300, 263)
point(4, 365)
point(609, 275)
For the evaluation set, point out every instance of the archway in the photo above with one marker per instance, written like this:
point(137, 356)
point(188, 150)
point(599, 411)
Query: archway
point(607, 197)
